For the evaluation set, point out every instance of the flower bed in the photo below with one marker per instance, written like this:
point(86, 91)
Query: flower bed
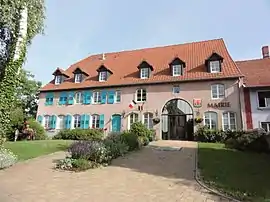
point(7, 158)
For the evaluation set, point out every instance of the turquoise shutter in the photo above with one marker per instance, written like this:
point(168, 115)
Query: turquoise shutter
point(87, 97)
point(101, 121)
point(103, 97)
point(63, 98)
point(82, 121)
point(86, 121)
point(111, 95)
point(53, 122)
point(70, 98)
point(39, 119)
point(68, 121)
point(84, 97)
point(49, 99)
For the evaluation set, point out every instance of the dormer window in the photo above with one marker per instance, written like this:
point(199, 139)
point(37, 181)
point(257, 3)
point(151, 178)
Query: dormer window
point(145, 70)
point(103, 76)
point(213, 63)
point(177, 67)
point(58, 80)
point(78, 78)
point(103, 73)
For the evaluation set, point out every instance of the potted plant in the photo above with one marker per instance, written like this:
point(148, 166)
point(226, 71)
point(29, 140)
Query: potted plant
point(156, 120)
point(198, 119)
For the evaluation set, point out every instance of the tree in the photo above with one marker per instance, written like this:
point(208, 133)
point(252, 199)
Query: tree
point(20, 22)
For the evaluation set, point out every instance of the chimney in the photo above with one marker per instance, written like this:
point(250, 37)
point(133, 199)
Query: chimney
point(265, 51)
point(103, 56)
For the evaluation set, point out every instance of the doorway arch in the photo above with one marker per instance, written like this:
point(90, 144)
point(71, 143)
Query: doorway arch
point(177, 120)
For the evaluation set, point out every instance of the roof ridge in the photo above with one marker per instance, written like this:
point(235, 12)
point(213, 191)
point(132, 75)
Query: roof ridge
point(255, 59)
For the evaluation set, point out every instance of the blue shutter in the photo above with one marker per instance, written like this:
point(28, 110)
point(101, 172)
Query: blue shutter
point(63, 98)
point(70, 98)
point(49, 99)
point(67, 121)
point(53, 122)
point(86, 121)
point(39, 119)
point(101, 121)
point(103, 97)
point(87, 97)
point(111, 95)
point(82, 121)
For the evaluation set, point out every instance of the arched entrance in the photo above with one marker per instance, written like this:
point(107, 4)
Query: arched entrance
point(177, 120)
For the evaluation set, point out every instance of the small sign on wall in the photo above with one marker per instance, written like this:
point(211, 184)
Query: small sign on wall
point(197, 103)
point(219, 105)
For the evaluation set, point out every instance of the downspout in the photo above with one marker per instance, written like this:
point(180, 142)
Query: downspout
point(240, 88)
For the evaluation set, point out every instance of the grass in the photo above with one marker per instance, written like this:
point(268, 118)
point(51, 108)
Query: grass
point(243, 175)
point(31, 149)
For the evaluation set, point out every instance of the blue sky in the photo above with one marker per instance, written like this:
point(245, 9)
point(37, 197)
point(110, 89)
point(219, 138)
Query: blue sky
point(77, 29)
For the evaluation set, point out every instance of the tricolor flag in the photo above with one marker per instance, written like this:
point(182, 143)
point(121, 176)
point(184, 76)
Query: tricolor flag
point(132, 104)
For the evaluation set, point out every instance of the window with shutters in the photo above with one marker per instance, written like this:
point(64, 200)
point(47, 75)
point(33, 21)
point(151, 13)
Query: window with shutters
point(61, 122)
point(148, 120)
point(264, 99)
point(133, 118)
point(46, 122)
point(141, 95)
point(96, 97)
point(78, 98)
point(77, 121)
point(229, 121)
point(95, 121)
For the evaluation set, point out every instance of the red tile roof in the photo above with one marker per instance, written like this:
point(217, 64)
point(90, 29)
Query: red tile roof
point(125, 72)
point(256, 72)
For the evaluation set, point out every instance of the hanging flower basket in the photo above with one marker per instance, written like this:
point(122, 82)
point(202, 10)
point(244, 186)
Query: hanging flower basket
point(198, 120)
point(156, 120)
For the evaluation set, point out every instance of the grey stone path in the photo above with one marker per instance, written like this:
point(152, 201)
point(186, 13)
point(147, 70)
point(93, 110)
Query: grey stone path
point(152, 174)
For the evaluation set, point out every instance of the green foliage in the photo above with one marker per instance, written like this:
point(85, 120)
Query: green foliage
point(131, 140)
point(38, 128)
point(7, 158)
point(80, 134)
point(141, 130)
point(75, 164)
point(115, 146)
point(203, 134)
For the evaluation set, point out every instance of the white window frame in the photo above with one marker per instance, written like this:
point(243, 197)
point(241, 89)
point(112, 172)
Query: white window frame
point(177, 70)
point(174, 89)
point(215, 66)
point(77, 121)
point(140, 92)
point(266, 100)
point(61, 125)
point(102, 76)
point(210, 118)
point(47, 121)
point(132, 118)
point(149, 117)
point(95, 121)
point(78, 78)
point(220, 95)
point(229, 121)
point(96, 97)
point(58, 79)
point(267, 125)
point(144, 72)
point(78, 98)
point(117, 94)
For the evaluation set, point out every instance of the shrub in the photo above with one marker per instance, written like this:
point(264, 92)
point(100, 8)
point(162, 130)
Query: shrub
point(115, 146)
point(131, 140)
point(139, 129)
point(75, 164)
point(37, 127)
point(7, 158)
point(80, 134)
point(16, 121)
point(203, 134)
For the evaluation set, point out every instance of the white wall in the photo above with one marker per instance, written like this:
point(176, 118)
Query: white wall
point(258, 115)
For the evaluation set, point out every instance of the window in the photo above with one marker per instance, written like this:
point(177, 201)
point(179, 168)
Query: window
point(141, 95)
point(133, 118)
point(266, 126)
point(264, 99)
point(103, 76)
point(144, 73)
point(210, 120)
point(95, 121)
point(228, 121)
point(61, 122)
point(176, 89)
point(78, 78)
point(58, 79)
point(47, 122)
point(177, 70)
point(96, 97)
point(215, 66)
point(148, 120)
point(77, 121)
point(218, 91)
point(79, 98)
point(117, 96)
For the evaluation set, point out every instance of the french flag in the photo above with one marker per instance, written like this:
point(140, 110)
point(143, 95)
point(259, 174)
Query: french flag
point(132, 104)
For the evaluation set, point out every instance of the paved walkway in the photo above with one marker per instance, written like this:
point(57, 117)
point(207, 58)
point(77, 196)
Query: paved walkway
point(153, 174)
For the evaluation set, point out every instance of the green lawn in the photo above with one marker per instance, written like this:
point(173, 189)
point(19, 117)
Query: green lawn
point(244, 175)
point(30, 149)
